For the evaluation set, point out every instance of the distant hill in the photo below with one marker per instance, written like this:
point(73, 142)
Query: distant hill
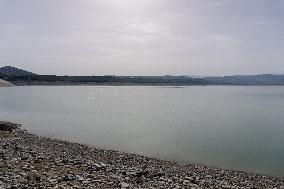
point(12, 71)
point(263, 79)
point(22, 77)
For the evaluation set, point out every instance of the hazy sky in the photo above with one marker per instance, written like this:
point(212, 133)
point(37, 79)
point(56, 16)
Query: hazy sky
point(143, 37)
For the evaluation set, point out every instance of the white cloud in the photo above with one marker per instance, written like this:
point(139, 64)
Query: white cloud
point(223, 40)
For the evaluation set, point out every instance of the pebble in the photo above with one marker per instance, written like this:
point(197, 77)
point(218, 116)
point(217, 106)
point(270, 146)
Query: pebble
point(30, 161)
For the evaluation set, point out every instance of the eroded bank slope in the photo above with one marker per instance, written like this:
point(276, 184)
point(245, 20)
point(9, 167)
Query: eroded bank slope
point(4, 83)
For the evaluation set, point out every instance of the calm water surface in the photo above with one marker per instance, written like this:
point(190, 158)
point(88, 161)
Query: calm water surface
point(229, 127)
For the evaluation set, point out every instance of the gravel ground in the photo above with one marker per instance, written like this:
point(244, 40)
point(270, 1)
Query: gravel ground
point(30, 161)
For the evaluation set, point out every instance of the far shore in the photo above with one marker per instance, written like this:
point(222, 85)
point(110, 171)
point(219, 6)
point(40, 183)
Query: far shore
point(62, 83)
point(30, 161)
point(8, 84)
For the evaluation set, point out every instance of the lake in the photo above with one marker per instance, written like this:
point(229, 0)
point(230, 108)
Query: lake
point(233, 127)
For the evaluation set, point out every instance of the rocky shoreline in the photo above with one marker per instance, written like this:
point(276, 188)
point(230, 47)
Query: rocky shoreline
point(30, 161)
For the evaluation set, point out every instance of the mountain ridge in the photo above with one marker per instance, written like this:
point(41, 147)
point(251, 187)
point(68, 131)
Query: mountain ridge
point(23, 77)
point(13, 71)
